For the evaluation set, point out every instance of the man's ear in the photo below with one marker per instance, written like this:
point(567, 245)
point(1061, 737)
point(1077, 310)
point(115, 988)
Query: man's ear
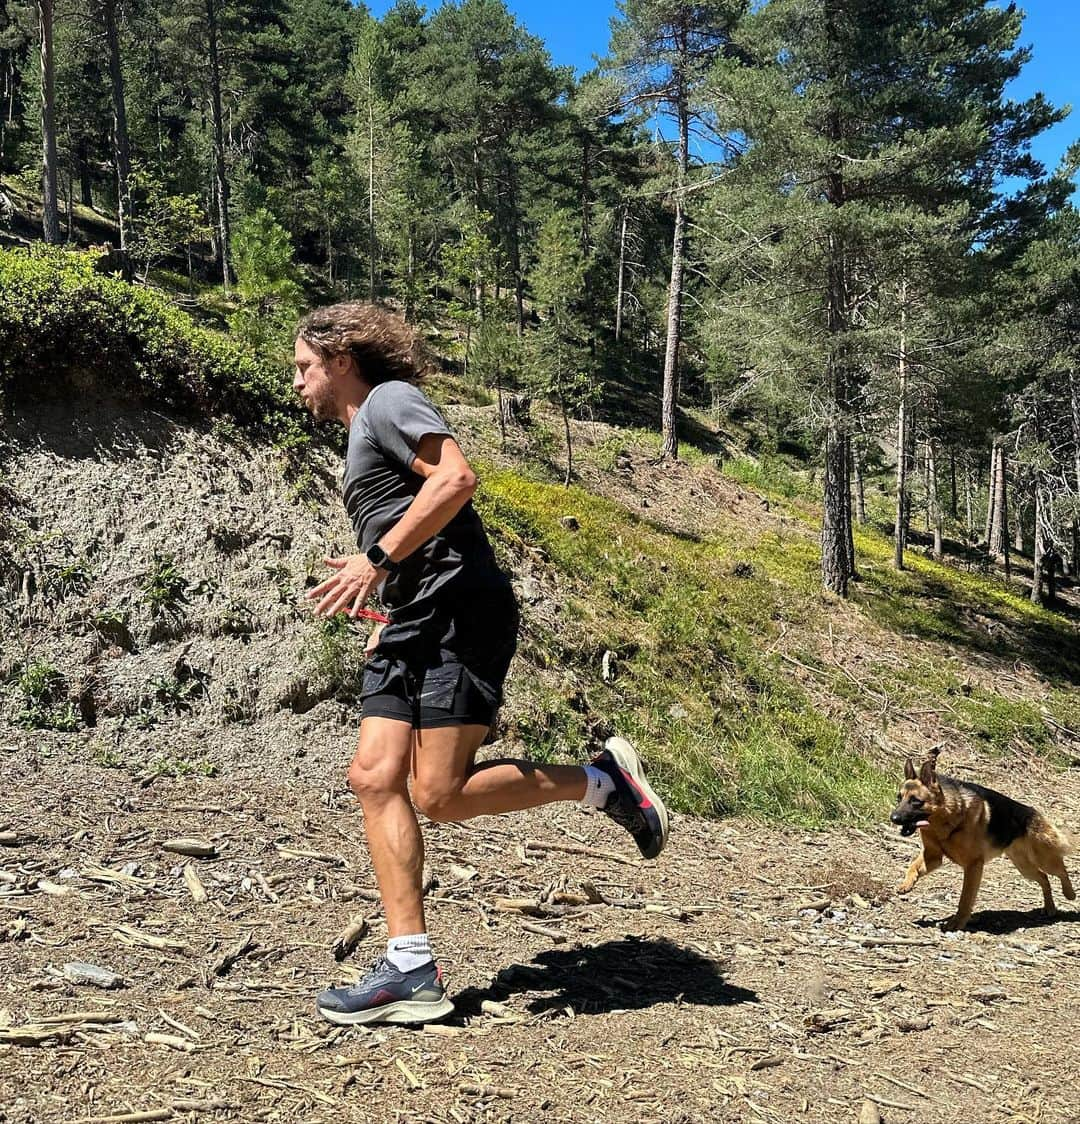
point(909, 770)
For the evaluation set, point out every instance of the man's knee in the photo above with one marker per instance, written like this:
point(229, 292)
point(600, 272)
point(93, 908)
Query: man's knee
point(377, 771)
point(439, 799)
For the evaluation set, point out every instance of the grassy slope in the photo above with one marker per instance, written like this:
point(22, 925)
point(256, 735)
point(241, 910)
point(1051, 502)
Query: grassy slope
point(747, 688)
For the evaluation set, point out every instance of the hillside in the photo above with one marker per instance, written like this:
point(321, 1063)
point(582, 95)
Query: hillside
point(164, 679)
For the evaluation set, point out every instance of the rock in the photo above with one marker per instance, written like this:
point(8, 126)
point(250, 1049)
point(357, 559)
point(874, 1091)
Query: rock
point(79, 973)
point(196, 848)
point(570, 522)
point(869, 1113)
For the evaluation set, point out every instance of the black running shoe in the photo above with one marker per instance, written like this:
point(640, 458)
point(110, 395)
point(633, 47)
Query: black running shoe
point(386, 995)
point(633, 805)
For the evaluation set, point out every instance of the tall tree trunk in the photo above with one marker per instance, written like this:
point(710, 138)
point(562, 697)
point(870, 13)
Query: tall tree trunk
point(86, 180)
point(860, 484)
point(991, 494)
point(849, 536)
point(622, 273)
point(221, 181)
point(121, 145)
point(373, 241)
point(999, 538)
point(933, 497)
point(50, 211)
point(669, 417)
point(1074, 395)
point(902, 423)
point(1039, 549)
point(969, 518)
point(952, 482)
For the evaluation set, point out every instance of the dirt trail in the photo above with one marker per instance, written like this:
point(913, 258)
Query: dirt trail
point(751, 974)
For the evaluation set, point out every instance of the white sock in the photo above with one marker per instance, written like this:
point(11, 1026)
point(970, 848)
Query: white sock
point(598, 787)
point(407, 953)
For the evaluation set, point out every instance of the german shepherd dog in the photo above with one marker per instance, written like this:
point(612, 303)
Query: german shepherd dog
point(972, 825)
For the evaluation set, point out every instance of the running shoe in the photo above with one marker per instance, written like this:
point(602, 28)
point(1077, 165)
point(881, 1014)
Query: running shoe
point(633, 805)
point(386, 995)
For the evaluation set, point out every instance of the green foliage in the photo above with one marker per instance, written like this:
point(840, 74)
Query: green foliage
point(333, 654)
point(59, 315)
point(725, 728)
point(269, 293)
point(163, 223)
point(165, 588)
point(45, 706)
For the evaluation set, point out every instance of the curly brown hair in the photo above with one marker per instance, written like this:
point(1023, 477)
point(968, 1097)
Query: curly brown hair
point(384, 346)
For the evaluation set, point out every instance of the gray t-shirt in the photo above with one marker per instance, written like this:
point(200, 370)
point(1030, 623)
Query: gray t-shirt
point(378, 484)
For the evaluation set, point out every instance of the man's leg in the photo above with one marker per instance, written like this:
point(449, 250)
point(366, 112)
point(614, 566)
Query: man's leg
point(379, 776)
point(448, 786)
point(395, 990)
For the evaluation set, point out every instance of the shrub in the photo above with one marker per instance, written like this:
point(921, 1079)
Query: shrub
point(58, 313)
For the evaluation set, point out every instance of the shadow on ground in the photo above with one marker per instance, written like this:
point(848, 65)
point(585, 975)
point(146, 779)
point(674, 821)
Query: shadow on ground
point(1002, 922)
point(614, 976)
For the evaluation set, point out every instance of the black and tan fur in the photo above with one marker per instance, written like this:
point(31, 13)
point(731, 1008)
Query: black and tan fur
point(971, 825)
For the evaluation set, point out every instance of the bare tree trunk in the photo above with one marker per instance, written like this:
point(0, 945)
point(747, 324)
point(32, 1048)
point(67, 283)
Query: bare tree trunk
point(1074, 395)
point(221, 181)
point(50, 211)
point(969, 518)
point(849, 536)
point(991, 495)
point(999, 539)
point(373, 241)
point(121, 145)
point(934, 500)
point(669, 427)
point(901, 439)
point(1039, 550)
point(952, 482)
point(622, 273)
point(860, 485)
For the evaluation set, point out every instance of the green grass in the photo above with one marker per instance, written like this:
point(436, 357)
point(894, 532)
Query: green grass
point(724, 728)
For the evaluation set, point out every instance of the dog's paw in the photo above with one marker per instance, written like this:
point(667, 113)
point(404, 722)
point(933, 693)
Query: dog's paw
point(954, 924)
point(906, 886)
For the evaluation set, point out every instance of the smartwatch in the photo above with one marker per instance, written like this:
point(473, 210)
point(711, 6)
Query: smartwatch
point(381, 560)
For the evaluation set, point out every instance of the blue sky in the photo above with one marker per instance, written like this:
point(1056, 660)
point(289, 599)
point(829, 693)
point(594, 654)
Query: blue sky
point(576, 30)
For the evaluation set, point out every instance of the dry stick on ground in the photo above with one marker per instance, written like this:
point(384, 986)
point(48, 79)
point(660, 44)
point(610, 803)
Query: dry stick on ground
point(242, 948)
point(575, 849)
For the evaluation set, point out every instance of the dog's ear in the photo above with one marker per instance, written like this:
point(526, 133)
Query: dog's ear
point(928, 774)
point(909, 770)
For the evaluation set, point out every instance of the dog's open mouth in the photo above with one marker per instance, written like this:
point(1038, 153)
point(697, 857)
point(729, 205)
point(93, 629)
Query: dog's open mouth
point(909, 826)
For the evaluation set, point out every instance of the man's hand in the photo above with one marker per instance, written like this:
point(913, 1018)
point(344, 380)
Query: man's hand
point(352, 583)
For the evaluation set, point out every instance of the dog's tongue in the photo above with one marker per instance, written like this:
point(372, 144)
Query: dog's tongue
point(923, 823)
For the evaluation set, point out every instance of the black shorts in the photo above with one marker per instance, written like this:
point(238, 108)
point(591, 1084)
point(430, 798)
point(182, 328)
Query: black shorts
point(453, 674)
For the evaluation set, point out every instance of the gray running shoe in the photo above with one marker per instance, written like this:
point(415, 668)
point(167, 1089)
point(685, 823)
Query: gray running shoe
point(633, 805)
point(386, 995)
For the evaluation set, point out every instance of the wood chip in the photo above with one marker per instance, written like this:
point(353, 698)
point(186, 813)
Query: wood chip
point(128, 934)
point(769, 1062)
point(194, 884)
point(552, 934)
point(577, 849)
point(173, 1041)
point(80, 973)
point(225, 962)
point(9, 839)
point(869, 1113)
point(486, 1091)
point(349, 937)
point(126, 1117)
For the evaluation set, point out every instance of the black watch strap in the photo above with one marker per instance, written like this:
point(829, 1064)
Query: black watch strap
point(381, 560)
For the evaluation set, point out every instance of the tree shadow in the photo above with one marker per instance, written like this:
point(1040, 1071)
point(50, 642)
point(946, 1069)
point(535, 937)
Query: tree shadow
point(614, 976)
point(1001, 922)
point(938, 611)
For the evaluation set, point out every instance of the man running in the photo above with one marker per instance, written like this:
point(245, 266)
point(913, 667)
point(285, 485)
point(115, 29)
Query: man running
point(435, 672)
